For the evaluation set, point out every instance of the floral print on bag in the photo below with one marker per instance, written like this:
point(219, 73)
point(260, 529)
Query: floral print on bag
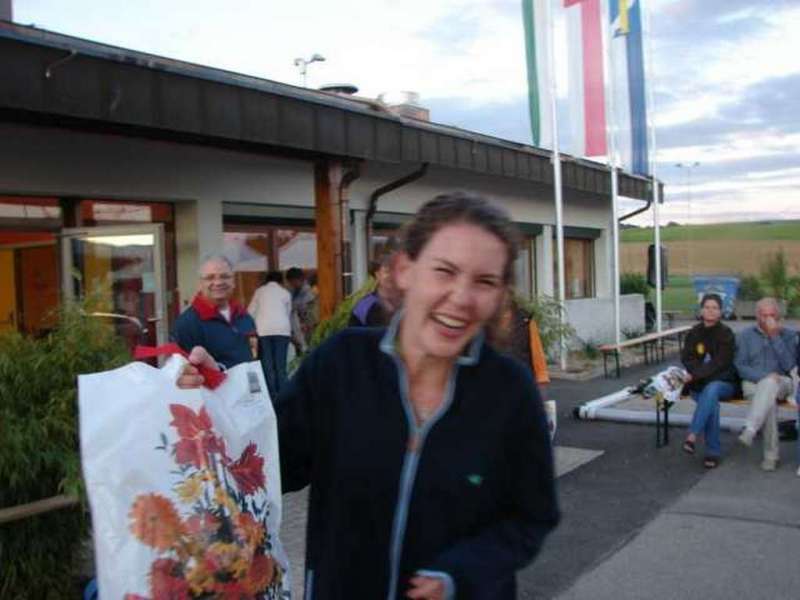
point(216, 545)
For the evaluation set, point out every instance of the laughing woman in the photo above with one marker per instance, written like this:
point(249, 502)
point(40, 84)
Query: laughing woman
point(427, 452)
point(707, 355)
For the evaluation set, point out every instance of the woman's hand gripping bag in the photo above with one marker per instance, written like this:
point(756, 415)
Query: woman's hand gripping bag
point(184, 485)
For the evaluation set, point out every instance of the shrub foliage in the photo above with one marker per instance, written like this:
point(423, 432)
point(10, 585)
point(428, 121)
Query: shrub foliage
point(546, 311)
point(634, 283)
point(39, 453)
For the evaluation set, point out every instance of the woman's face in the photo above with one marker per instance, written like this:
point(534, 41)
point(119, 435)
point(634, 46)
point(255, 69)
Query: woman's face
point(711, 313)
point(451, 290)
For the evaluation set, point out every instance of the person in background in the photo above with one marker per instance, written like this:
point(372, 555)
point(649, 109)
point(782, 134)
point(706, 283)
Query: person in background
point(215, 320)
point(302, 301)
point(707, 356)
point(312, 307)
point(797, 404)
point(426, 451)
point(377, 308)
point(517, 334)
point(765, 354)
point(271, 307)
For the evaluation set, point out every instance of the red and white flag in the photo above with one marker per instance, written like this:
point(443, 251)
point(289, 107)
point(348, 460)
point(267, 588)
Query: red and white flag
point(582, 58)
point(586, 80)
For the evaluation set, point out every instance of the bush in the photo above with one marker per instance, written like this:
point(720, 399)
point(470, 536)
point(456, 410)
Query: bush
point(750, 288)
point(775, 273)
point(340, 317)
point(39, 453)
point(631, 334)
point(634, 283)
point(590, 349)
point(546, 311)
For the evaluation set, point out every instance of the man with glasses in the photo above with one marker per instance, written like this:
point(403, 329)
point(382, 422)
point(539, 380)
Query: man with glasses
point(765, 355)
point(215, 320)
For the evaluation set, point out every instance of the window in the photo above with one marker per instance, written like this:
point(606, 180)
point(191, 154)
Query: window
point(383, 241)
point(578, 268)
point(256, 249)
point(29, 284)
point(97, 212)
point(525, 269)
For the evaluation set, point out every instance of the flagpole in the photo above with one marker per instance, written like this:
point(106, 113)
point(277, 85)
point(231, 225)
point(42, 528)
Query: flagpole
point(656, 191)
point(613, 163)
point(556, 158)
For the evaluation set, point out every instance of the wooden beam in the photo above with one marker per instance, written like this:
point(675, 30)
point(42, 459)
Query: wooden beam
point(23, 511)
point(327, 177)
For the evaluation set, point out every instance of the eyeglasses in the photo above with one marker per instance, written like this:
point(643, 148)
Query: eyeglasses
point(217, 277)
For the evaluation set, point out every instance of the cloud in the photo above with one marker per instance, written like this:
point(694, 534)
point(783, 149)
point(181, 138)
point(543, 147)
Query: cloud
point(726, 73)
point(506, 119)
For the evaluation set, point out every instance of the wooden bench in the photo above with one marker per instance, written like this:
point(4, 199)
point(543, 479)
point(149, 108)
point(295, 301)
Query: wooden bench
point(652, 345)
point(662, 417)
point(670, 315)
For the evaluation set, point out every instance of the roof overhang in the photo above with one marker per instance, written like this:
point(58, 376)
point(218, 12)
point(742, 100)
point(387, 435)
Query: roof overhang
point(54, 79)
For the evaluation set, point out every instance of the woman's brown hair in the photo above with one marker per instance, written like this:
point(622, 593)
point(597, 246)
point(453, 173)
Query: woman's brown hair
point(461, 207)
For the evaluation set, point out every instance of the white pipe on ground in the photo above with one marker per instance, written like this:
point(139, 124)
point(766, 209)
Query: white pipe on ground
point(588, 410)
point(734, 424)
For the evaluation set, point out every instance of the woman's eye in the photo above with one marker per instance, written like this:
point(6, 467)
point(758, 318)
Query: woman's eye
point(444, 270)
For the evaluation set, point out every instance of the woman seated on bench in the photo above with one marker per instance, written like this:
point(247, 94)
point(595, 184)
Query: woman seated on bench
point(707, 355)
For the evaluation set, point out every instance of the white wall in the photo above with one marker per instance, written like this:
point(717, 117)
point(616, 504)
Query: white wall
point(545, 251)
point(50, 161)
point(526, 202)
point(593, 318)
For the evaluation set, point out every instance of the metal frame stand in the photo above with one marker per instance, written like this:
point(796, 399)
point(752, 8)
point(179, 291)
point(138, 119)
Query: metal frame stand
point(662, 425)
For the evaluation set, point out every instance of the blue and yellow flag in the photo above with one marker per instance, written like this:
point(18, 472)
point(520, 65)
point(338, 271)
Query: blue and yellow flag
point(626, 24)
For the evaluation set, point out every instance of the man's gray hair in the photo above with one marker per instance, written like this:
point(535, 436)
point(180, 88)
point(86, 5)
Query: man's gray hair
point(768, 302)
point(215, 257)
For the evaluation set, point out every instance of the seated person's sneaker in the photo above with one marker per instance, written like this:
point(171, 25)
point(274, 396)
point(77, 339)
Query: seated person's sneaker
point(746, 437)
point(769, 464)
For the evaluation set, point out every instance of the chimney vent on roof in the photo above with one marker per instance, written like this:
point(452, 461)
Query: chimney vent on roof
point(343, 89)
point(405, 104)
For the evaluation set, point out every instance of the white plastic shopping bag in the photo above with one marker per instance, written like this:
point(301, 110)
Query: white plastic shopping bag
point(667, 385)
point(184, 485)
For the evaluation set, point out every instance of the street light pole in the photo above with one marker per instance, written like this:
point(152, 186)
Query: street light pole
point(688, 167)
point(302, 64)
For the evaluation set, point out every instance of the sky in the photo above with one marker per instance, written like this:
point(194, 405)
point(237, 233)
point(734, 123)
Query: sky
point(725, 74)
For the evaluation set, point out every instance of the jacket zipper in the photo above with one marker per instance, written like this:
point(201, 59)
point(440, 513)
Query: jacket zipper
point(416, 441)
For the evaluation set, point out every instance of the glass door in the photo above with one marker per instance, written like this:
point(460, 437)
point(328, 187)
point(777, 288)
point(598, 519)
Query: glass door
point(8, 297)
point(121, 269)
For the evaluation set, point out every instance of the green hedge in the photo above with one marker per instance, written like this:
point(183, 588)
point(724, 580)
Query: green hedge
point(634, 283)
point(39, 453)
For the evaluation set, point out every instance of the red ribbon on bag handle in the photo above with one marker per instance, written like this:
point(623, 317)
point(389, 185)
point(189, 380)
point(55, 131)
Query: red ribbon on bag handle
point(212, 378)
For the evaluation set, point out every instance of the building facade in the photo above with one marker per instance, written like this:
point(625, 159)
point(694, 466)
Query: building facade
point(120, 170)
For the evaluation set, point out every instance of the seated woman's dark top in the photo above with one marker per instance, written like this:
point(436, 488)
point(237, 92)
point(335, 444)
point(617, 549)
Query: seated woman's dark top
point(707, 354)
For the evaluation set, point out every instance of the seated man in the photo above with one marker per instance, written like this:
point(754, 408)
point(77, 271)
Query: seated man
point(765, 354)
point(215, 320)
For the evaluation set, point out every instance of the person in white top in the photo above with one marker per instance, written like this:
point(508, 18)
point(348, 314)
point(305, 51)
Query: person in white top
point(271, 308)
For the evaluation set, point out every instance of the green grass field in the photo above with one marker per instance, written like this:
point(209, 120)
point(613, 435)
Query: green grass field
point(768, 230)
point(678, 295)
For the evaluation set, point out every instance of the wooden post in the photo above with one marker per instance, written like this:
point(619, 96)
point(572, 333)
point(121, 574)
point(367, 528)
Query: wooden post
point(23, 511)
point(327, 177)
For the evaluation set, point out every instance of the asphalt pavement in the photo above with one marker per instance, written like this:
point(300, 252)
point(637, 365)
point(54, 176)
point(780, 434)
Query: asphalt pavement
point(647, 522)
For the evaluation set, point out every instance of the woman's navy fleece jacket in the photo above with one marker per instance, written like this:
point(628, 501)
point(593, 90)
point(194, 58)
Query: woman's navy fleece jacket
point(470, 493)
